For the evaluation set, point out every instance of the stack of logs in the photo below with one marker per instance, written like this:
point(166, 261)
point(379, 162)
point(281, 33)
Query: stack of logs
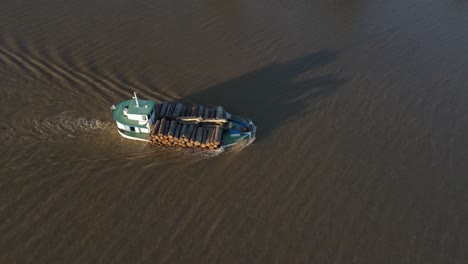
point(167, 132)
point(198, 111)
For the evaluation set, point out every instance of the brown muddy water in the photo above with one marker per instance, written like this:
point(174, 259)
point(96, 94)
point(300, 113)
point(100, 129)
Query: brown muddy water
point(361, 153)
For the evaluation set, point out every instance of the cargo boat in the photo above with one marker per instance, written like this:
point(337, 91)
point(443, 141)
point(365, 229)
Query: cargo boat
point(176, 125)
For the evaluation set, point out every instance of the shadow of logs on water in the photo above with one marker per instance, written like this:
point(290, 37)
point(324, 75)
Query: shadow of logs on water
point(277, 93)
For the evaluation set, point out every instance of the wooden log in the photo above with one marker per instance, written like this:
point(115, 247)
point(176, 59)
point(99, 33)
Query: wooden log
point(177, 131)
point(157, 109)
point(213, 113)
point(178, 110)
point(156, 127)
point(161, 127)
point(218, 135)
point(198, 137)
point(211, 125)
point(163, 109)
point(170, 110)
point(213, 137)
point(187, 111)
point(206, 114)
point(201, 111)
point(220, 113)
point(210, 136)
point(183, 112)
point(167, 126)
point(205, 136)
point(174, 110)
point(190, 132)
point(193, 135)
point(194, 110)
point(172, 129)
point(183, 131)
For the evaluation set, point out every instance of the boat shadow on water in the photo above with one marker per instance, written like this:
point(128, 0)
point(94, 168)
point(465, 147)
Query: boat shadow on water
point(276, 94)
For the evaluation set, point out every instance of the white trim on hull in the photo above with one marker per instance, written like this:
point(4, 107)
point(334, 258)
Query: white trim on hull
point(129, 137)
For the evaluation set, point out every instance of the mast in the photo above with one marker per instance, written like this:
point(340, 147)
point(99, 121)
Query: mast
point(136, 99)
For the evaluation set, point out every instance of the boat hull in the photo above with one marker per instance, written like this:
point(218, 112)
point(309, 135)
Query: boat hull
point(128, 136)
point(159, 124)
point(240, 144)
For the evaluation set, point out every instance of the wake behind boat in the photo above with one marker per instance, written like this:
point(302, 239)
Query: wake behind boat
point(175, 125)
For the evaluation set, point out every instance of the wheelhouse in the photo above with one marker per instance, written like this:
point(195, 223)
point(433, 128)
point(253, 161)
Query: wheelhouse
point(135, 116)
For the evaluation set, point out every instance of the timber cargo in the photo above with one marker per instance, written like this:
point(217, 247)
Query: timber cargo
point(176, 125)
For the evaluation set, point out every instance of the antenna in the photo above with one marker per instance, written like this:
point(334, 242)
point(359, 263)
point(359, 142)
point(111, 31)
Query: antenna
point(136, 99)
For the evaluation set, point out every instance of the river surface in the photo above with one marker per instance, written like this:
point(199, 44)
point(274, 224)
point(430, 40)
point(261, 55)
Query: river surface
point(362, 144)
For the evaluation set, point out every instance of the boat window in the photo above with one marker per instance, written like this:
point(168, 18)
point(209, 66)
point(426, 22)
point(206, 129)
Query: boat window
point(132, 129)
point(144, 117)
